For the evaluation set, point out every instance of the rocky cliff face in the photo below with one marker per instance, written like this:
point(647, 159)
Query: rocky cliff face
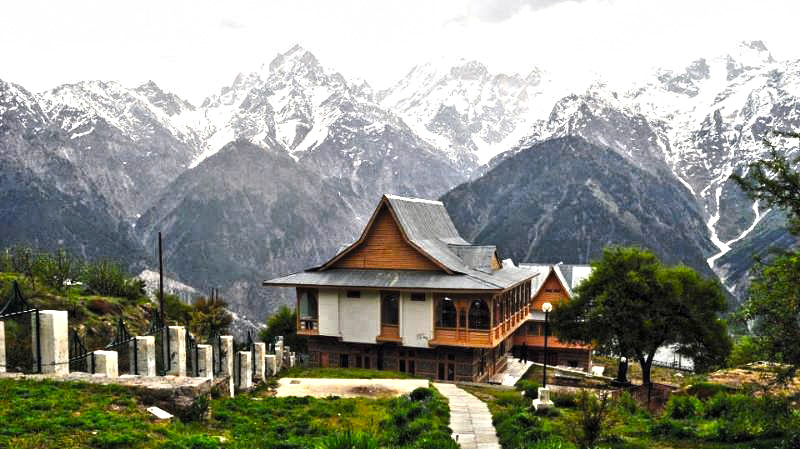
point(245, 214)
point(564, 199)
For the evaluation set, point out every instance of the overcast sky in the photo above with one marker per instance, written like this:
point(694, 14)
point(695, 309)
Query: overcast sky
point(195, 47)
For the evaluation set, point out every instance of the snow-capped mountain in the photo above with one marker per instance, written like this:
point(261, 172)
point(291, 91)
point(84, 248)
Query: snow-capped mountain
point(467, 111)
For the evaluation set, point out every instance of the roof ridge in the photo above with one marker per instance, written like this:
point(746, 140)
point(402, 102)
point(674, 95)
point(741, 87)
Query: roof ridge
point(411, 199)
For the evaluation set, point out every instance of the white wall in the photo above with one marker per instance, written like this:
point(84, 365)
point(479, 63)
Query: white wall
point(360, 317)
point(416, 319)
point(329, 312)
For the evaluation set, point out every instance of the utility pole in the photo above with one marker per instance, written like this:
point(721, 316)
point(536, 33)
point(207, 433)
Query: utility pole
point(160, 280)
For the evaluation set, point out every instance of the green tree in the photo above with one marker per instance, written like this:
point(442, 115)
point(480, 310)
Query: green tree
point(631, 305)
point(774, 303)
point(55, 269)
point(209, 317)
point(776, 181)
point(285, 323)
point(177, 312)
point(108, 278)
point(23, 261)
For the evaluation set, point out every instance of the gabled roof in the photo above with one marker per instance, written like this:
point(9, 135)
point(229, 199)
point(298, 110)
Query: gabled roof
point(570, 276)
point(427, 227)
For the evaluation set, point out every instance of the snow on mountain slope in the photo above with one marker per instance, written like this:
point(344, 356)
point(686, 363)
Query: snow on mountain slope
point(468, 112)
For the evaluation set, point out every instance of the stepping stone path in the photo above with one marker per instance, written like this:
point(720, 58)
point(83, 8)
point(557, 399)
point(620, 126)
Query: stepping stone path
point(469, 418)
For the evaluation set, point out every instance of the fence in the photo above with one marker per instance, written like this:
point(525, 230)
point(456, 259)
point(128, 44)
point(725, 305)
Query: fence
point(42, 342)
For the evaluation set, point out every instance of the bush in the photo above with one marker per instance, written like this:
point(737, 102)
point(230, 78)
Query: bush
point(529, 388)
point(566, 399)
point(593, 418)
point(723, 404)
point(683, 407)
point(704, 390)
point(348, 440)
point(671, 428)
point(627, 404)
point(107, 278)
point(421, 394)
point(100, 306)
point(517, 426)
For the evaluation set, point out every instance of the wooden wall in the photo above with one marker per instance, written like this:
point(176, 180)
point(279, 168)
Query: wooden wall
point(385, 248)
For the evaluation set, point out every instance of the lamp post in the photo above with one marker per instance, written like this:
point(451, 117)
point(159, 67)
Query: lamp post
point(546, 308)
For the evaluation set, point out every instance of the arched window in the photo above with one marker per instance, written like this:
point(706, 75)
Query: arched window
point(446, 313)
point(479, 315)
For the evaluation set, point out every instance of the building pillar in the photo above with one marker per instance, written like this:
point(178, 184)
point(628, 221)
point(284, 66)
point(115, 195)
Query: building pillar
point(106, 363)
point(244, 370)
point(259, 352)
point(53, 343)
point(205, 367)
point(143, 356)
point(177, 351)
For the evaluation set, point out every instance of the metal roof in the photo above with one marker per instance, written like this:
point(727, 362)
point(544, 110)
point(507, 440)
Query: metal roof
point(427, 225)
point(406, 279)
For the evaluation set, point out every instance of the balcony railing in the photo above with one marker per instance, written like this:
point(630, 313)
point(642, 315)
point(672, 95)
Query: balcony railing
point(390, 333)
point(308, 326)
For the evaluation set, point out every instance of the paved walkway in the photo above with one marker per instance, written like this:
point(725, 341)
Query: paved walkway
point(469, 418)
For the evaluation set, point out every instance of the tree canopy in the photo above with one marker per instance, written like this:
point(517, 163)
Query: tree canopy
point(284, 323)
point(631, 305)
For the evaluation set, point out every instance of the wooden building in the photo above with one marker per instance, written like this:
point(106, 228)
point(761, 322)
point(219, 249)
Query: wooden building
point(411, 295)
point(553, 284)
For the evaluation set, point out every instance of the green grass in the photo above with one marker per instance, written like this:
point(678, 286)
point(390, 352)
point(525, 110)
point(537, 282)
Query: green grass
point(46, 414)
point(746, 424)
point(343, 373)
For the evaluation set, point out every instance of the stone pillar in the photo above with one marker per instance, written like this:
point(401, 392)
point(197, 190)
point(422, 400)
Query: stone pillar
point(543, 401)
point(106, 363)
point(271, 368)
point(245, 370)
point(177, 351)
point(53, 341)
point(205, 367)
point(2, 347)
point(143, 356)
point(278, 359)
point(260, 351)
point(228, 355)
point(291, 360)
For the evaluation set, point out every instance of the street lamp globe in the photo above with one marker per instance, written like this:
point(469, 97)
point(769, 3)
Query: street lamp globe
point(547, 307)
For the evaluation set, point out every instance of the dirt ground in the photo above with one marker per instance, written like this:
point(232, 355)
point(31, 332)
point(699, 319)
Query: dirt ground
point(347, 388)
point(757, 375)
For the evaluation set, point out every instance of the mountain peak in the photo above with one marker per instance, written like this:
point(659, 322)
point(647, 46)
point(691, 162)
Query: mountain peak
point(293, 59)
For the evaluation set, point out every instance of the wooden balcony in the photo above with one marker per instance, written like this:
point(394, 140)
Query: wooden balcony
point(308, 326)
point(537, 341)
point(472, 338)
point(389, 333)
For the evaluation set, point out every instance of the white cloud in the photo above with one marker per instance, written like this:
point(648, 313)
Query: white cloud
point(195, 47)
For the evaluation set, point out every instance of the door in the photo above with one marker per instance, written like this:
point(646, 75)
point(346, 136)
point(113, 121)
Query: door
point(451, 371)
point(441, 371)
point(344, 361)
point(323, 359)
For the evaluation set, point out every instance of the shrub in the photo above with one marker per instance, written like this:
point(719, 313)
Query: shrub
point(565, 399)
point(529, 388)
point(683, 407)
point(421, 394)
point(704, 390)
point(107, 278)
point(626, 403)
point(517, 426)
point(723, 404)
point(671, 428)
point(593, 418)
point(348, 440)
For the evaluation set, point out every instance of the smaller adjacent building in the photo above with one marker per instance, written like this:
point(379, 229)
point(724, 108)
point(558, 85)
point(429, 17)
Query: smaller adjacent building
point(553, 284)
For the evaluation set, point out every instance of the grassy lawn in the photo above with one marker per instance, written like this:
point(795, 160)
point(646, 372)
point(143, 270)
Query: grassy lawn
point(343, 373)
point(518, 426)
point(72, 415)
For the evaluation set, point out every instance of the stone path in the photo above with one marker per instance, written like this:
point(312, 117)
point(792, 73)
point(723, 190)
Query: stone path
point(469, 418)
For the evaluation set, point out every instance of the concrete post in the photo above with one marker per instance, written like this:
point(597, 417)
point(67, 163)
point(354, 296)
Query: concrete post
point(143, 355)
point(291, 361)
point(205, 365)
point(259, 353)
point(106, 363)
point(278, 359)
point(53, 341)
point(228, 355)
point(271, 367)
point(245, 373)
point(177, 351)
point(2, 347)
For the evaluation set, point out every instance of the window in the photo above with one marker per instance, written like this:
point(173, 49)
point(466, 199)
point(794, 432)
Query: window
point(418, 296)
point(308, 304)
point(479, 315)
point(446, 314)
point(390, 311)
point(353, 293)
